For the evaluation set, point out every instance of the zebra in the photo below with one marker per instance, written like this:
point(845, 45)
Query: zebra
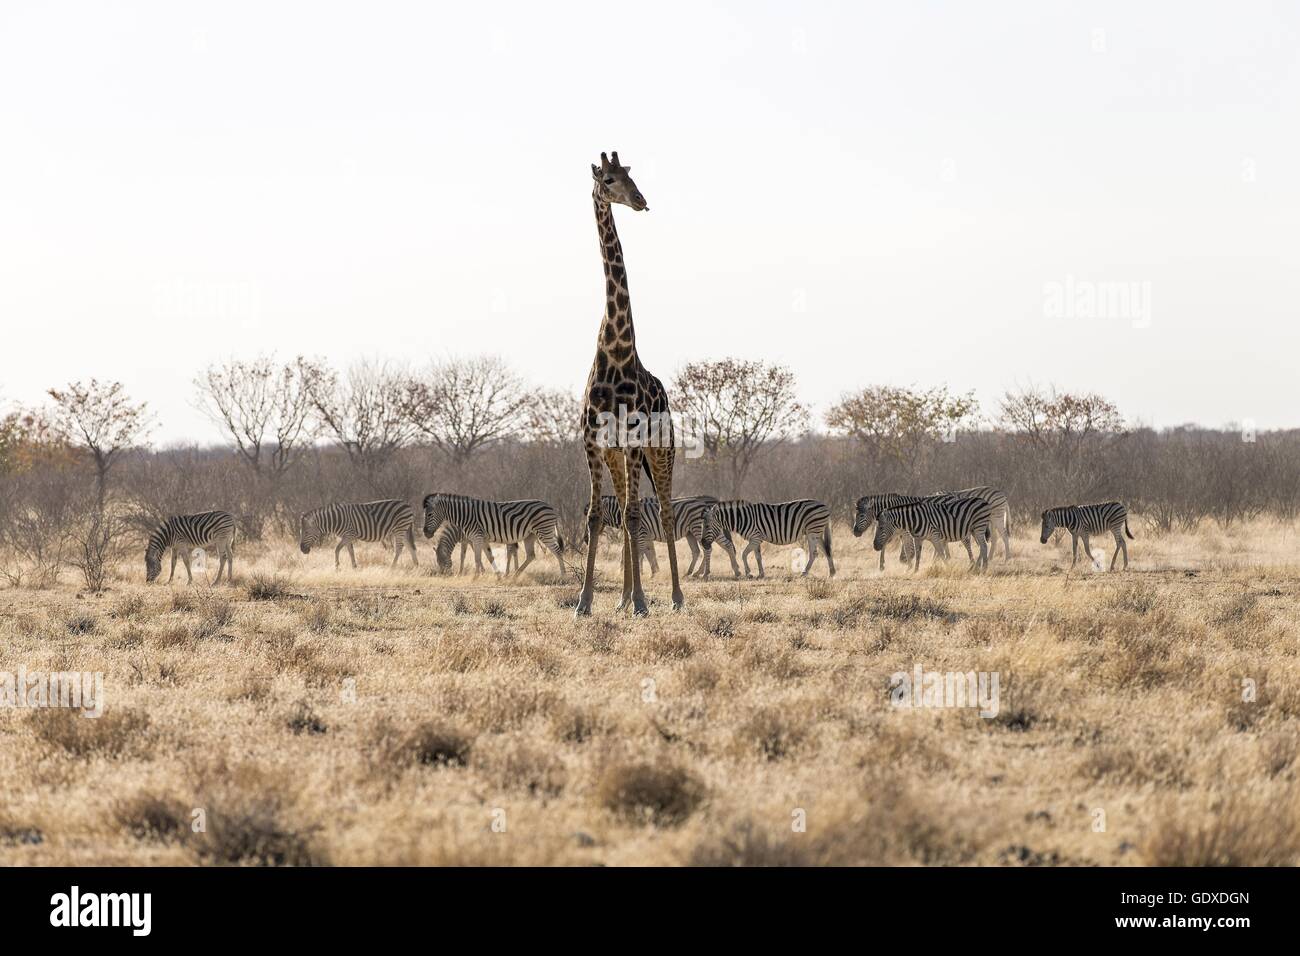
point(689, 512)
point(787, 522)
point(938, 520)
point(485, 521)
point(1001, 520)
point(868, 506)
point(183, 533)
point(1082, 521)
point(452, 536)
point(368, 521)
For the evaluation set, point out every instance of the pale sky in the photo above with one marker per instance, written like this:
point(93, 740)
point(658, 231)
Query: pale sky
point(870, 193)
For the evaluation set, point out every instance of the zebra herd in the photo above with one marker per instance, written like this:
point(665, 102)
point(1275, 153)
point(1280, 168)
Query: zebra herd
point(973, 514)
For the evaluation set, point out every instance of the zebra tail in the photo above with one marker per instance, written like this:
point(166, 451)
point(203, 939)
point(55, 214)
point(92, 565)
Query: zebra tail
point(1126, 530)
point(826, 539)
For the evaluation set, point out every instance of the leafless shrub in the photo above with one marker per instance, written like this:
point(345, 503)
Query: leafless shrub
point(661, 794)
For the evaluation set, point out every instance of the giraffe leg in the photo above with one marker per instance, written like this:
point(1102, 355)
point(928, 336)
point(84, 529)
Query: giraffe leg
point(633, 456)
point(661, 469)
point(583, 607)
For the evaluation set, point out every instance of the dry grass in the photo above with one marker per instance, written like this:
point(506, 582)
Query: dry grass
point(307, 717)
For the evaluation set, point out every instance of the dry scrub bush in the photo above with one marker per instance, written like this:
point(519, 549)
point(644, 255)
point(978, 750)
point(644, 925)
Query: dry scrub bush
point(117, 732)
point(1231, 831)
point(660, 794)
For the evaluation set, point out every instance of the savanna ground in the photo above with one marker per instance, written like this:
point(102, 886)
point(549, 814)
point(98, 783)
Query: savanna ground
point(379, 717)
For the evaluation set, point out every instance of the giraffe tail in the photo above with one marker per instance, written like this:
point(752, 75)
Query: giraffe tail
point(645, 467)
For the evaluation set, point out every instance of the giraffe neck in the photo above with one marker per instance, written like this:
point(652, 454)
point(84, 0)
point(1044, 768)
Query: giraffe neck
point(617, 336)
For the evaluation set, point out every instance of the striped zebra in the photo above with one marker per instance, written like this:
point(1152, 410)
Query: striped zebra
point(452, 536)
point(1001, 520)
point(689, 512)
point(869, 506)
point(784, 523)
point(507, 522)
point(1083, 521)
point(938, 520)
point(368, 521)
point(184, 533)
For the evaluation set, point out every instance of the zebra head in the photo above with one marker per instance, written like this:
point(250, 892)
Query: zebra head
point(614, 185)
point(309, 532)
point(446, 544)
point(885, 527)
point(435, 513)
point(866, 514)
point(1051, 520)
point(152, 561)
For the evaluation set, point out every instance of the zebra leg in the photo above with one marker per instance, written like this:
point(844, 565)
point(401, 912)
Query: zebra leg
point(464, 546)
point(649, 552)
point(175, 555)
point(970, 554)
point(478, 544)
point(352, 554)
point(529, 551)
point(185, 557)
point(826, 546)
point(410, 539)
point(397, 553)
point(1119, 543)
point(984, 552)
point(812, 555)
point(1074, 541)
point(695, 553)
point(337, 548)
point(221, 565)
point(758, 557)
point(1088, 550)
point(1006, 536)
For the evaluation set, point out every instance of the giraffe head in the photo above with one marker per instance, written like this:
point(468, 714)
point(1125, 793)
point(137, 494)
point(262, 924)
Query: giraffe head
point(613, 184)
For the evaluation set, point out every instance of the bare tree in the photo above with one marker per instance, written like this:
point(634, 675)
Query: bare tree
point(1064, 429)
point(103, 420)
point(365, 411)
point(737, 408)
point(553, 417)
point(902, 424)
point(264, 407)
point(464, 405)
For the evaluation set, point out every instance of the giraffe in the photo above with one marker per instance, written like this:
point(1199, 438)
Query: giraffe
point(620, 389)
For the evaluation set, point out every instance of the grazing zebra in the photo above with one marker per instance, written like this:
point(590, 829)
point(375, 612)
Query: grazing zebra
point(1082, 521)
point(371, 521)
point(938, 520)
point(689, 512)
point(184, 533)
point(505, 521)
point(788, 522)
point(1001, 520)
point(452, 536)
